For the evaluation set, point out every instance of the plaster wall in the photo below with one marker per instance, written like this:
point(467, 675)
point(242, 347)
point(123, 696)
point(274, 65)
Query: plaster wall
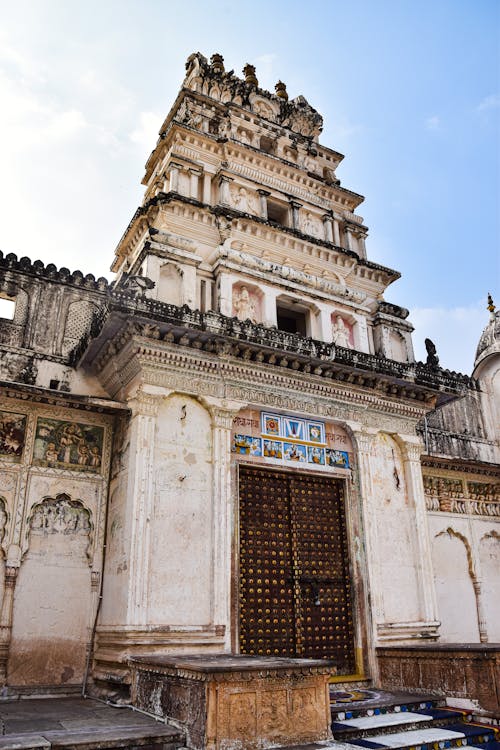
point(180, 589)
point(466, 561)
point(394, 556)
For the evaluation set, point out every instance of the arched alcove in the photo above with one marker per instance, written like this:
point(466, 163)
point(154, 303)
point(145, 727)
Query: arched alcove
point(52, 598)
point(457, 610)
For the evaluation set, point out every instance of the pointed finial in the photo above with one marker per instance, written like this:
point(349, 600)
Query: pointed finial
point(249, 73)
point(491, 306)
point(281, 90)
point(217, 63)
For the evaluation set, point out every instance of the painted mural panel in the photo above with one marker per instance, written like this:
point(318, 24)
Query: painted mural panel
point(266, 437)
point(12, 435)
point(68, 445)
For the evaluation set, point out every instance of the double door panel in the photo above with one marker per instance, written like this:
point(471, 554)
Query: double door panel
point(295, 597)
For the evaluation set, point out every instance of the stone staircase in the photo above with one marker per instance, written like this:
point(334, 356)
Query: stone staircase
point(378, 720)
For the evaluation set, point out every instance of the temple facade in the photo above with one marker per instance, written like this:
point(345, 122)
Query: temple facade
point(231, 449)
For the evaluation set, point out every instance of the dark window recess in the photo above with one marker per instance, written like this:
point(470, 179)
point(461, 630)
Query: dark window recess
point(267, 145)
point(54, 385)
point(277, 213)
point(291, 321)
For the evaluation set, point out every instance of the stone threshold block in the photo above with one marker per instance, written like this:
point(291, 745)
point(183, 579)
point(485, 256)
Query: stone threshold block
point(230, 702)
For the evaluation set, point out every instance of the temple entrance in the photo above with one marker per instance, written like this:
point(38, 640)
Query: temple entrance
point(295, 597)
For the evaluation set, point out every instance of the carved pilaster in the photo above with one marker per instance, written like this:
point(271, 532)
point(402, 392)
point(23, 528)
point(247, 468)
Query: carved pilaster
point(263, 195)
point(336, 232)
point(328, 227)
point(6, 619)
point(411, 449)
point(295, 206)
point(141, 496)
point(481, 618)
point(173, 176)
point(364, 440)
point(222, 420)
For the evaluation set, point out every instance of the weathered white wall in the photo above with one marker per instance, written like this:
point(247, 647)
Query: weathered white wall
point(489, 559)
point(53, 598)
point(395, 560)
point(454, 590)
point(180, 583)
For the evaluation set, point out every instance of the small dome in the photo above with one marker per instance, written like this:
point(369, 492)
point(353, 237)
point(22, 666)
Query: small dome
point(489, 343)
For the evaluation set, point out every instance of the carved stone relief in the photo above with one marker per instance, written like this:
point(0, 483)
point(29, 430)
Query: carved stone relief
point(342, 334)
point(243, 200)
point(246, 303)
point(60, 516)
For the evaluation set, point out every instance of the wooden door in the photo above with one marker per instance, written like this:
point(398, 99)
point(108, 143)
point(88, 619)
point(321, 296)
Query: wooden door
point(295, 597)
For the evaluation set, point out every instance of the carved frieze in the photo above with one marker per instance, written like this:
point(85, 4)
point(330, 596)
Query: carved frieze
point(452, 495)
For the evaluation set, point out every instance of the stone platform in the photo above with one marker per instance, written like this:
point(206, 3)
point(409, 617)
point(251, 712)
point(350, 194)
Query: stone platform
point(244, 702)
point(81, 724)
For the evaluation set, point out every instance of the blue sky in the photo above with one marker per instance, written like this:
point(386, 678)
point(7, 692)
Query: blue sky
point(409, 92)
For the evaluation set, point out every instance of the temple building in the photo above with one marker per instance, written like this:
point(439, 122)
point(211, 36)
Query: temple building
point(230, 449)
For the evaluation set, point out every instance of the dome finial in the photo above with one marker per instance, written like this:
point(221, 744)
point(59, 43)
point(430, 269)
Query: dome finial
point(491, 305)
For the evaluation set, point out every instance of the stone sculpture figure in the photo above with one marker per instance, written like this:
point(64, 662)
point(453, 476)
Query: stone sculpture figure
point(340, 333)
point(432, 357)
point(244, 307)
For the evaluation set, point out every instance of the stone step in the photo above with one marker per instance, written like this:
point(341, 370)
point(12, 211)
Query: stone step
point(365, 726)
point(431, 738)
point(384, 702)
point(159, 737)
point(394, 721)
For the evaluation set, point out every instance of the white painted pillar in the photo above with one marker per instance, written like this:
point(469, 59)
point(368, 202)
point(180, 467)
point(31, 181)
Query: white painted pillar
point(348, 238)
point(173, 173)
point(336, 232)
point(263, 195)
point(141, 496)
point(328, 227)
point(364, 438)
point(207, 188)
point(194, 176)
point(223, 514)
point(224, 194)
point(295, 207)
point(269, 311)
point(225, 294)
point(325, 323)
point(412, 449)
point(361, 332)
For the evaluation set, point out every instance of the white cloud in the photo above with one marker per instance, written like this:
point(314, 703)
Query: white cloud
point(146, 133)
point(489, 103)
point(433, 123)
point(455, 331)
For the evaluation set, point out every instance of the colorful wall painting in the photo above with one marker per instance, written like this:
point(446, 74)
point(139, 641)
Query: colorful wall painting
point(272, 449)
point(316, 455)
point(12, 435)
point(294, 428)
point(295, 452)
point(247, 445)
point(68, 445)
point(271, 424)
point(278, 438)
point(339, 459)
